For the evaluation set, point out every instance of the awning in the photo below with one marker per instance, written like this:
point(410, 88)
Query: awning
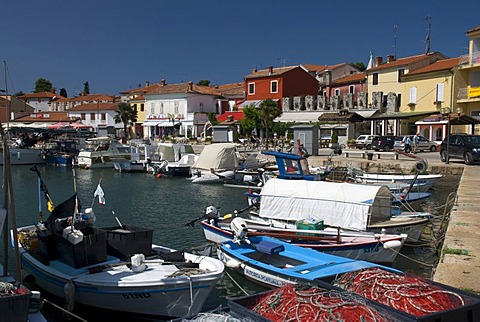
point(400, 115)
point(256, 103)
point(151, 123)
point(302, 117)
point(166, 124)
point(365, 114)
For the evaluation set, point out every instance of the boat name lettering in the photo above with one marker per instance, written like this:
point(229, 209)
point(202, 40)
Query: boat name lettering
point(373, 249)
point(137, 296)
point(262, 277)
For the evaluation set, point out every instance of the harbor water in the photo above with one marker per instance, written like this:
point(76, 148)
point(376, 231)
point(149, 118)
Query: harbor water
point(166, 205)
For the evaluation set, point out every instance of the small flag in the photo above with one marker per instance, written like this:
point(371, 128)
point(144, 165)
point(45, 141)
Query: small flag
point(100, 194)
point(50, 205)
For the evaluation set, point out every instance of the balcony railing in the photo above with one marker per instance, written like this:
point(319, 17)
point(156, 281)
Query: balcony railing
point(465, 59)
point(463, 93)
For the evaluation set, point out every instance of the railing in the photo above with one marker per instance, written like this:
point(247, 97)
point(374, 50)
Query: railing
point(462, 93)
point(465, 59)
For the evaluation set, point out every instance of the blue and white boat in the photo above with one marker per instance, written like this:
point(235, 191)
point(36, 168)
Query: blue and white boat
point(275, 263)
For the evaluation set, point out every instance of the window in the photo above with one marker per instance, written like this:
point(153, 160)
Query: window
point(135, 107)
point(401, 71)
point(82, 116)
point(103, 116)
point(413, 95)
point(251, 88)
point(92, 116)
point(375, 79)
point(351, 89)
point(161, 108)
point(337, 92)
point(175, 107)
point(274, 87)
point(142, 107)
point(152, 108)
point(439, 93)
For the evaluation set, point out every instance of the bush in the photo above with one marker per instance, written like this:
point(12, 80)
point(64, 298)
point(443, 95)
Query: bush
point(334, 138)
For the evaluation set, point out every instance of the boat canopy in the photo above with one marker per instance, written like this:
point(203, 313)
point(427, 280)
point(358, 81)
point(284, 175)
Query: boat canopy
point(346, 205)
point(217, 156)
point(173, 152)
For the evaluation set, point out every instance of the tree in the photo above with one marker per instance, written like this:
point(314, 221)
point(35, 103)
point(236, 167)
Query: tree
point(86, 88)
point(126, 114)
point(359, 65)
point(19, 94)
point(63, 92)
point(43, 85)
point(251, 120)
point(268, 111)
point(204, 82)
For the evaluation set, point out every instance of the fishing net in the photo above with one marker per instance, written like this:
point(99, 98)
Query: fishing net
point(407, 293)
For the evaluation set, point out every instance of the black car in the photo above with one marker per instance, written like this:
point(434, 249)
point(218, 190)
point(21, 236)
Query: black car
point(461, 146)
point(385, 142)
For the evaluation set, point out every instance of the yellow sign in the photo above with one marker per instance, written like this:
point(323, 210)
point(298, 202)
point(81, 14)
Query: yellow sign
point(473, 92)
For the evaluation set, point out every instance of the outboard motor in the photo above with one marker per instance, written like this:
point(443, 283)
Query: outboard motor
point(239, 229)
point(211, 212)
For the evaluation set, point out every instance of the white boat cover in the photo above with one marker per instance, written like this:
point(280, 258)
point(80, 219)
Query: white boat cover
point(217, 156)
point(347, 205)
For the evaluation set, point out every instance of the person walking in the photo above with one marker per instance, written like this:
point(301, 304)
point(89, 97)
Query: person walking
point(415, 142)
point(407, 144)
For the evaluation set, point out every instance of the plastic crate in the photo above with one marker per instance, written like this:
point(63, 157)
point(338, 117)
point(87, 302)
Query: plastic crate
point(305, 225)
point(92, 250)
point(48, 245)
point(470, 312)
point(241, 307)
point(14, 308)
point(126, 241)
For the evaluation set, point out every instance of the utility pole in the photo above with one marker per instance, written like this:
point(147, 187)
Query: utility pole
point(395, 27)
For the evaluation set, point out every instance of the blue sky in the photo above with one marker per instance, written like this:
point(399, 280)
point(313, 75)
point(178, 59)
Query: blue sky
point(117, 44)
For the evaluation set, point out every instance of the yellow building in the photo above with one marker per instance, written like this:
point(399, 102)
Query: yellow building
point(386, 93)
point(468, 81)
point(430, 89)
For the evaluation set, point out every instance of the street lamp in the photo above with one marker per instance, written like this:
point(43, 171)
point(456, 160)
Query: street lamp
point(445, 111)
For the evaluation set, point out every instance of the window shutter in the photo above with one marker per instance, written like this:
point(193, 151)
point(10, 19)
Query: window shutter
point(439, 94)
point(413, 95)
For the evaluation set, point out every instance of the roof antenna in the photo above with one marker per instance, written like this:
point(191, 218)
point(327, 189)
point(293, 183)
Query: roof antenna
point(395, 27)
point(427, 40)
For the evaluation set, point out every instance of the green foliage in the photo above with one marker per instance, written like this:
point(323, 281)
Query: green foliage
point(334, 137)
point(359, 65)
point(204, 82)
point(351, 141)
point(19, 94)
point(43, 85)
point(251, 120)
point(86, 88)
point(212, 118)
point(63, 92)
point(127, 115)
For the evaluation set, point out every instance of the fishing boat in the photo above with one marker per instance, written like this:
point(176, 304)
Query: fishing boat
point(114, 268)
point(215, 163)
point(22, 156)
point(378, 248)
point(345, 205)
point(100, 152)
point(429, 179)
point(273, 262)
point(171, 159)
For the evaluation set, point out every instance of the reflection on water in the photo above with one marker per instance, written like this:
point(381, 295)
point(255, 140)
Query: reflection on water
point(167, 204)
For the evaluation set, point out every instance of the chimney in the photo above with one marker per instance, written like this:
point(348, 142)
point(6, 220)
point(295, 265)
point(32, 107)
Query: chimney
point(270, 70)
point(254, 70)
point(390, 58)
point(147, 83)
point(163, 83)
point(190, 86)
point(378, 61)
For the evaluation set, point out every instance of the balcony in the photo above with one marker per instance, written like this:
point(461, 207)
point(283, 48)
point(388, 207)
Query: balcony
point(468, 94)
point(468, 62)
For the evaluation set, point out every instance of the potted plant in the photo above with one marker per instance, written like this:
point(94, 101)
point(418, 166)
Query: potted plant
point(351, 143)
point(334, 140)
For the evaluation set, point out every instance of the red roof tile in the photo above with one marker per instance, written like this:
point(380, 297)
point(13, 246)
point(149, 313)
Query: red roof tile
point(45, 117)
point(231, 116)
point(354, 78)
point(401, 62)
point(276, 71)
point(95, 107)
point(184, 88)
point(40, 95)
point(443, 64)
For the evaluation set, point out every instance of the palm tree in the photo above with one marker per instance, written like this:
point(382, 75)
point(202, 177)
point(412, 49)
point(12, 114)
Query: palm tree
point(268, 111)
point(127, 115)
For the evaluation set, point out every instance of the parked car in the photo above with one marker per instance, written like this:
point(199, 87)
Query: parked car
point(364, 141)
point(424, 144)
point(385, 142)
point(462, 146)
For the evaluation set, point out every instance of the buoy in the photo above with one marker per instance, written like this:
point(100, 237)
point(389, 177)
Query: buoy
point(159, 175)
point(392, 244)
point(232, 263)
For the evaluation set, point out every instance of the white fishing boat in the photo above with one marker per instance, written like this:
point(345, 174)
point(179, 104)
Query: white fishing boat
point(19, 156)
point(217, 162)
point(172, 159)
point(345, 205)
point(430, 179)
point(378, 248)
point(101, 152)
point(165, 284)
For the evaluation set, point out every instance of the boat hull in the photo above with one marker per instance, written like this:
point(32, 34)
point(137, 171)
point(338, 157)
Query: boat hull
point(161, 290)
point(372, 250)
point(24, 156)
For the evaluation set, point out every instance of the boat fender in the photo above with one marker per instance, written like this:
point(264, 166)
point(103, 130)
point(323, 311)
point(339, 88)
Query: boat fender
point(232, 263)
point(421, 166)
point(159, 175)
point(138, 263)
point(68, 296)
point(392, 244)
point(89, 216)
